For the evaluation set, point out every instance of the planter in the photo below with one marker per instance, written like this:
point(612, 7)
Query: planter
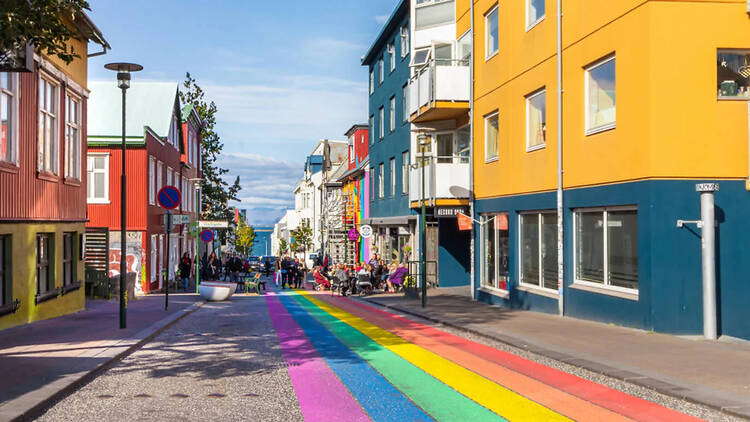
point(411, 292)
point(214, 293)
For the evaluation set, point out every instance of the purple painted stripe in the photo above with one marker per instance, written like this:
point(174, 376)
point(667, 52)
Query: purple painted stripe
point(321, 395)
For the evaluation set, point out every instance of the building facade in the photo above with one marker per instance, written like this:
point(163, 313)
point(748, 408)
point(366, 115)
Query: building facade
point(391, 217)
point(355, 192)
point(163, 149)
point(632, 154)
point(43, 184)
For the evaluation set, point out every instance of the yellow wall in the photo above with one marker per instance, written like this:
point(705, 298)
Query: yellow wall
point(24, 274)
point(669, 122)
point(78, 68)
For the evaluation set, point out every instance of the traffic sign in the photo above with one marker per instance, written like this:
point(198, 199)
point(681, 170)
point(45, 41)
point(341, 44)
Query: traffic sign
point(207, 236)
point(169, 197)
point(180, 219)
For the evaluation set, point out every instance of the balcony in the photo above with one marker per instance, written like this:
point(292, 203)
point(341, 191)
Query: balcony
point(445, 180)
point(440, 90)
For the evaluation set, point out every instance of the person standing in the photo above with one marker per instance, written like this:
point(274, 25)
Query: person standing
point(277, 271)
point(186, 265)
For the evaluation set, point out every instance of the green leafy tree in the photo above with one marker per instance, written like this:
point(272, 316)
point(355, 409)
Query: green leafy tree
point(283, 245)
point(244, 237)
point(39, 22)
point(215, 191)
point(302, 237)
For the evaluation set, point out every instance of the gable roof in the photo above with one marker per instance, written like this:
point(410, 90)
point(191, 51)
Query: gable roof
point(148, 105)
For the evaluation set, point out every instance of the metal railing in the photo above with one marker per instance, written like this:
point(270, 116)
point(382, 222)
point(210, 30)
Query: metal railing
point(425, 81)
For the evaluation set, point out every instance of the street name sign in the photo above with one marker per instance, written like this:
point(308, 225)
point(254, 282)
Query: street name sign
point(220, 224)
point(180, 219)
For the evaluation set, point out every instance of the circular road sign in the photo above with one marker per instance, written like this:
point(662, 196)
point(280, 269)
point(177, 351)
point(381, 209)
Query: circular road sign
point(365, 231)
point(169, 197)
point(207, 236)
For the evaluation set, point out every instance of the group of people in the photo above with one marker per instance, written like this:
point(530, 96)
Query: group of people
point(213, 268)
point(374, 275)
point(290, 273)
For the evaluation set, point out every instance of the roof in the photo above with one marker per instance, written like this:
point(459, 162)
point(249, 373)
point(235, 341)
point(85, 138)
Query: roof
point(149, 105)
point(360, 126)
point(393, 22)
point(356, 171)
point(87, 28)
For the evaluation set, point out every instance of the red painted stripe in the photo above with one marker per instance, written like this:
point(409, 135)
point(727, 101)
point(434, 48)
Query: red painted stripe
point(608, 398)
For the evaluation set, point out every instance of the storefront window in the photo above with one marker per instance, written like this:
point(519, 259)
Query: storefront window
point(539, 249)
point(495, 250)
point(732, 73)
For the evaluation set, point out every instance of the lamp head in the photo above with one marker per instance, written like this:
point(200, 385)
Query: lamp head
point(123, 72)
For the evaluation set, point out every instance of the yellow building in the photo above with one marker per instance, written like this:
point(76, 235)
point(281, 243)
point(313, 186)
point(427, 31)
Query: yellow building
point(43, 182)
point(655, 100)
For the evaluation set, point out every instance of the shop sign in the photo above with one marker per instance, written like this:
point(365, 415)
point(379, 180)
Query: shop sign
point(365, 231)
point(449, 211)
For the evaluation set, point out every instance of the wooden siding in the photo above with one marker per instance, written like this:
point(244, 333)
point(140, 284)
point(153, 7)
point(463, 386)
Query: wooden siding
point(23, 195)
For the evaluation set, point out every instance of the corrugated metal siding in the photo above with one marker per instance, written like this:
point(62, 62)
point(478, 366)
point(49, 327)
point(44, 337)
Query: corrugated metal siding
point(23, 195)
point(108, 215)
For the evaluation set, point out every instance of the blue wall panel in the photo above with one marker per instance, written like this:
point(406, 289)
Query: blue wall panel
point(453, 254)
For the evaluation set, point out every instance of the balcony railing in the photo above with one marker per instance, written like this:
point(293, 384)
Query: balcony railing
point(445, 177)
point(439, 80)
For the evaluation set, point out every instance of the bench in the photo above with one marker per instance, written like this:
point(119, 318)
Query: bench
point(253, 283)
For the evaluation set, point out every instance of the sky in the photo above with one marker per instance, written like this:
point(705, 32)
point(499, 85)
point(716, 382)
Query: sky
point(283, 74)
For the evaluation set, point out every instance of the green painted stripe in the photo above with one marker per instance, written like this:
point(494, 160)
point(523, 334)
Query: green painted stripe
point(437, 399)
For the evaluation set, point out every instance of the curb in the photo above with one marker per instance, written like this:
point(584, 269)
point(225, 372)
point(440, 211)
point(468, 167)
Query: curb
point(686, 393)
point(29, 406)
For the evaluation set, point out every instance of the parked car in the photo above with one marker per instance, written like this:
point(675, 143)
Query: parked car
point(271, 262)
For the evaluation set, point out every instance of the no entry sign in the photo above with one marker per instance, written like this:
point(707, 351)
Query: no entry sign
point(169, 197)
point(207, 236)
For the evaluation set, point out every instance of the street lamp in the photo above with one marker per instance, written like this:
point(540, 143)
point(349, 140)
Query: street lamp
point(423, 140)
point(197, 187)
point(123, 82)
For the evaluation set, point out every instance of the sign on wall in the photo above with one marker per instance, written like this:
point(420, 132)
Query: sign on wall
point(450, 211)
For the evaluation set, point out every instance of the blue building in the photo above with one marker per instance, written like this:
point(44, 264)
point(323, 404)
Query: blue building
point(262, 245)
point(393, 221)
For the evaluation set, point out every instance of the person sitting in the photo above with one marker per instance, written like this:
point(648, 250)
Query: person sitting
point(396, 278)
point(364, 282)
point(321, 280)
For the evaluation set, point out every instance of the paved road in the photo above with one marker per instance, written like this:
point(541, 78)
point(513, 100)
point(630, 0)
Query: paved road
point(297, 355)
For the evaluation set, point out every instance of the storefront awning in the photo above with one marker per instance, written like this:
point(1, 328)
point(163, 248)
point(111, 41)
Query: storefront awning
point(390, 221)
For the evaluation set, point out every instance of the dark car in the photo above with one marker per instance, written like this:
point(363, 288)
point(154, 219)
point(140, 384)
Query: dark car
point(271, 262)
point(254, 263)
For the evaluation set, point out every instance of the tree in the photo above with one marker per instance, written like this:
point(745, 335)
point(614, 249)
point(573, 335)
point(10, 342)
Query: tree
point(245, 237)
point(39, 22)
point(302, 236)
point(215, 191)
point(283, 246)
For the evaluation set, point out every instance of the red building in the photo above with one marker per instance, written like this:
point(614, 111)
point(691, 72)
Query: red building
point(359, 146)
point(163, 148)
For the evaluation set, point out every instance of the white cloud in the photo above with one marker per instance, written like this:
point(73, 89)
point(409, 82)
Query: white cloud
point(380, 19)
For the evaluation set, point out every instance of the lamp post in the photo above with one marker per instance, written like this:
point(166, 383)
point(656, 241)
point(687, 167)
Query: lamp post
point(423, 140)
point(196, 258)
point(123, 82)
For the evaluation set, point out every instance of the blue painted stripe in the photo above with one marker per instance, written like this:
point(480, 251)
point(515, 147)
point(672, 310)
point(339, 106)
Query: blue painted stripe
point(377, 396)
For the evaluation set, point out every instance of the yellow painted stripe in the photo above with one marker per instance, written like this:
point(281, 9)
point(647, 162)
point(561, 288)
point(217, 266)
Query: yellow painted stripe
point(494, 397)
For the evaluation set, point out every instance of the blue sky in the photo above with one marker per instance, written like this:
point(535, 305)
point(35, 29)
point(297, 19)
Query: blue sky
point(284, 74)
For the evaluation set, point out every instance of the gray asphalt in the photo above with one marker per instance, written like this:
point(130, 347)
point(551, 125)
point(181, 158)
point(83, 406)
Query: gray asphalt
point(222, 362)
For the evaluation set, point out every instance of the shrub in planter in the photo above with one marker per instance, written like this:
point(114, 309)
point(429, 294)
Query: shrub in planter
point(410, 288)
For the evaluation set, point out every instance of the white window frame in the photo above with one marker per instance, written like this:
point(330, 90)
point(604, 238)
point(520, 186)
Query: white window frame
point(392, 117)
point(381, 124)
point(487, 117)
point(487, 53)
point(392, 56)
point(405, 103)
point(540, 234)
point(393, 176)
point(371, 133)
point(372, 81)
point(170, 177)
point(53, 148)
point(485, 220)
point(405, 172)
point(90, 181)
point(587, 78)
point(151, 180)
point(73, 158)
point(12, 135)
point(405, 47)
point(529, 98)
point(530, 25)
point(381, 70)
point(159, 176)
point(381, 181)
point(372, 184)
point(605, 286)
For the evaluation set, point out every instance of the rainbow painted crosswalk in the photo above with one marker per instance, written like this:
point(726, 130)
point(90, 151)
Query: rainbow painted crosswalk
point(350, 362)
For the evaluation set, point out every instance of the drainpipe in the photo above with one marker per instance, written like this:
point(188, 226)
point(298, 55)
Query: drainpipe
point(471, 152)
point(560, 237)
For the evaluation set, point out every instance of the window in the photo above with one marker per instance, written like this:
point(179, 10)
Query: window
point(72, 137)
point(463, 48)
point(495, 243)
point(151, 180)
point(392, 55)
point(372, 183)
point(381, 182)
point(381, 117)
point(191, 146)
point(491, 131)
point(174, 133)
point(372, 81)
point(405, 47)
point(392, 113)
point(6, 295)
point(421, 56)
point(600, 96)
point(159, 176)
point(371, 131)
point(153, 258)
point(405, 103)
point(534, 12)
point(538, 249)
point(69, 259)
point(170, 173)
point(8, 117)
point(381, 71)
point(393, 176)
point(48, 145)
point(536, 121)
point(44, 263)
point(606, 247)
point(97, 174)
point(733, 74)
point(445, 147)
point(463, 145)
point(491, 25)
point(405, 172)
